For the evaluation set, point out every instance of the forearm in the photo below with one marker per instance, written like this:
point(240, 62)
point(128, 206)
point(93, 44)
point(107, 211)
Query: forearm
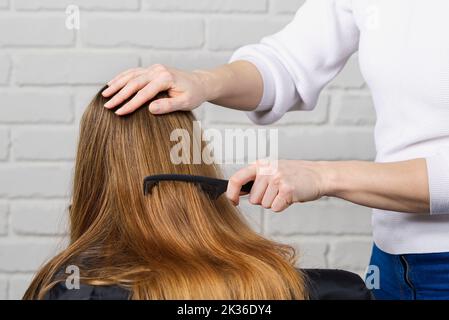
point(398, 186)
point(237, 85)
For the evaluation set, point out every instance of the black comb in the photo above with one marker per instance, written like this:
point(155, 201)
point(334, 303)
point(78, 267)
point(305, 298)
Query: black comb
point(212, 186)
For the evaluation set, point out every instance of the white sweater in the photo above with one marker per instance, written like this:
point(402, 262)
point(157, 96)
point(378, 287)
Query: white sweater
point(403, 50)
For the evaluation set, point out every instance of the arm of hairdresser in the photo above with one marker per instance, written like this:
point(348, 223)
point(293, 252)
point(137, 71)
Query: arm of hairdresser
point(399, 186)
point(237, 85)
point(285, 72)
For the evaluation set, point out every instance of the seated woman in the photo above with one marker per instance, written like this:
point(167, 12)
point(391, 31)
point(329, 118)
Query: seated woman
point(175, 243)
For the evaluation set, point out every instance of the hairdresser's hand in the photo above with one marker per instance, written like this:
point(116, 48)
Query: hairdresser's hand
point(279, 184)
point(186, 90)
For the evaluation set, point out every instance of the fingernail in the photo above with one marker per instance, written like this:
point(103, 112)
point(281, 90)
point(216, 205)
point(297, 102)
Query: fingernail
point(119, 113)
point(154, 108)
point(107, 104)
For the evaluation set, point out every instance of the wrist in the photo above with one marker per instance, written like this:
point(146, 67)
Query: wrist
point(330, 178)
point(207, 81)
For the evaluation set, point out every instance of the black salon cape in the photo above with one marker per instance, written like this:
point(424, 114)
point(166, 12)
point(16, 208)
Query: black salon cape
point(322, 284)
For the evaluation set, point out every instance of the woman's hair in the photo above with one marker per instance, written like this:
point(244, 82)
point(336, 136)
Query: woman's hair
point(175, 243)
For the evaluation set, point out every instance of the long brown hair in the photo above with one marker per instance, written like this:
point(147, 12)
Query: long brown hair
point(175, 243)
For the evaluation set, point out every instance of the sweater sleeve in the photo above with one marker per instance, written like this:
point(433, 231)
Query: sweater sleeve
point(438, 175)
point(297, 62)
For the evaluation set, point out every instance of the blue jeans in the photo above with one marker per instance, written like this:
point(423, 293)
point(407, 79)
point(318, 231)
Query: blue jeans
point(411, 276)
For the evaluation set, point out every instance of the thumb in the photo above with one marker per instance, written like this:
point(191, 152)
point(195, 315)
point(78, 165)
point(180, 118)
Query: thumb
point(166, 105)
point(237, 180)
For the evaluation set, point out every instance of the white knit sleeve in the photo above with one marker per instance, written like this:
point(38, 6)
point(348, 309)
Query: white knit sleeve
point(438, 175)
point(297, 62)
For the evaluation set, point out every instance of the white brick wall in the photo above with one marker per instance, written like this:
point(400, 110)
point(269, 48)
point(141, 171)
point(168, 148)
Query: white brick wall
point(95, 5)
point(19, 106)
point(48, 74)
point(229, 33)
point(26, 217)
point(27, 30)
point(286, 6)
point(70, 67)
point(228, 6)
point(3, 218)
point(39, 144)
point(4, 4)
point(145, 30)
point(5, 66)
point(4, 144)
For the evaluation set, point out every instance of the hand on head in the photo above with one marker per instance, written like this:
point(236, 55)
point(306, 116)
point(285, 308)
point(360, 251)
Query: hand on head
point(185, 90)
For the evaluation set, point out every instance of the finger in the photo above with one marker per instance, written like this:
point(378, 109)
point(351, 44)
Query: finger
point(131, 88)
point(121, 82)
point(279, 204)
point(137, 101)
point(236, 182)
point(144, 95)
point(166, 105)
point(258, 190)
point(155, 67)
point(270, 194)
point(121, 74)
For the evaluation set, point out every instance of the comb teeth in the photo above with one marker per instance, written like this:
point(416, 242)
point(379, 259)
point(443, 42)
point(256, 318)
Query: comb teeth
point(211, 186)
point(212, 191)
point(148, 186)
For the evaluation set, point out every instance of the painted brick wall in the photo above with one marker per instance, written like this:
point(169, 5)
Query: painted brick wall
point(48, 73)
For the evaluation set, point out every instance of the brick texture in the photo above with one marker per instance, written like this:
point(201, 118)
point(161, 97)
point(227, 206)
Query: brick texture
point(4, 144)
point(4, 4)
point(3, 219)
point(222, 33)
point(32, 254)
point(145, 31)
point(353, 109)
point(227, 6)
point(82, 4)
point(5, 67)
point(34, 180)
point(44, 144)
point(26, 30)
point(35, 107)
point(71, 68)
point(27, 217)
point(286, 6)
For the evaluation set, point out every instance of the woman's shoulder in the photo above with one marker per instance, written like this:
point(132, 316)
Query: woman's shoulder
point(322, 284)
point(330, 284)
point(87, 292)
